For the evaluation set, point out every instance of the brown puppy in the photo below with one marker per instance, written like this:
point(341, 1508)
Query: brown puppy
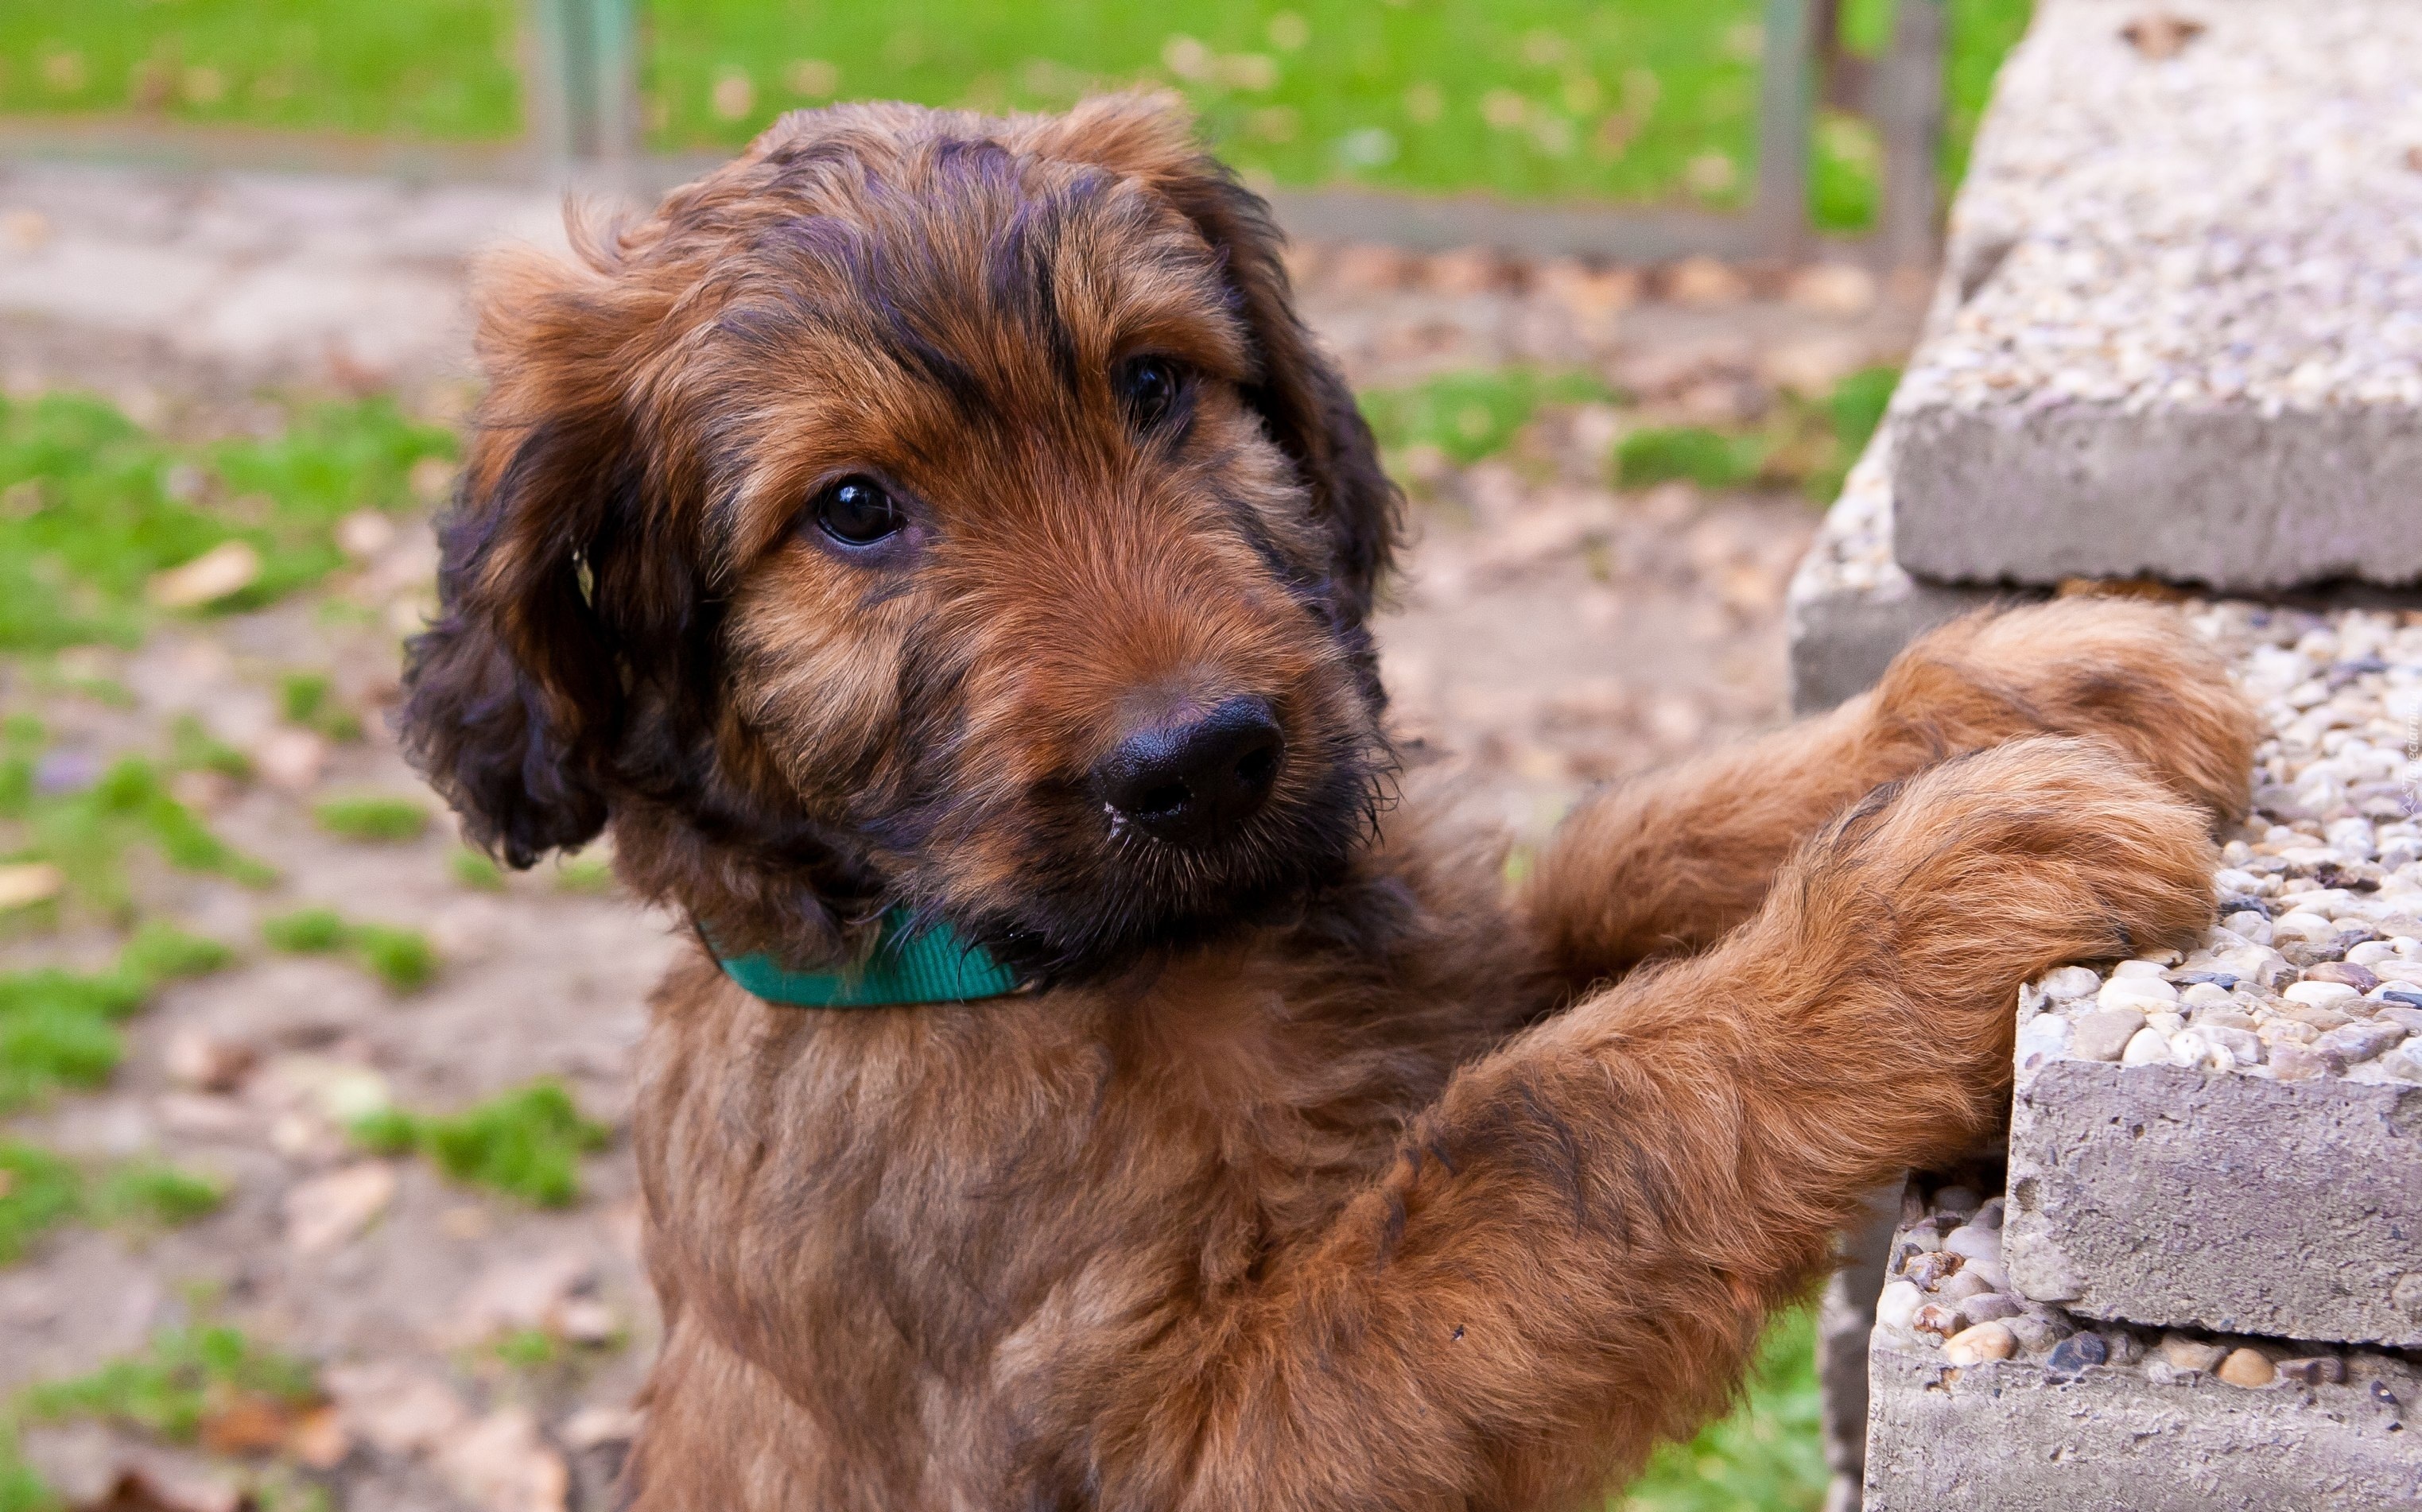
point(949, 514)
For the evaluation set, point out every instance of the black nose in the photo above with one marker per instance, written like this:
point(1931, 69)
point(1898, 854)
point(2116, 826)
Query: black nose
point(1189, 780)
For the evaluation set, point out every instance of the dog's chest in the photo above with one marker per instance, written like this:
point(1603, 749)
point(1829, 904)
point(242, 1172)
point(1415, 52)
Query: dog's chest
point(946, 1189)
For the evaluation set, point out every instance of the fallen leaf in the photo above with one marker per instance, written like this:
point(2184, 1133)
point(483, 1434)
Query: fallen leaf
point(247, 1424)
point(228, 568)
point(28, 882)
point(1704, 283)
point(325, 1211)
point(198, 1059)
point(2161, 35)
point(91, 1469)
point(515, 1295)
point(501, 1464)
point(319, 1440)
point(394, 1406)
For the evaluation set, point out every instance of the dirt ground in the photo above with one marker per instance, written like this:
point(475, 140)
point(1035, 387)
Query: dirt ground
point(1547, 634)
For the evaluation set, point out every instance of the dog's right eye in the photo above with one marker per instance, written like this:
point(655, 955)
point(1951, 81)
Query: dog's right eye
point(857, 511)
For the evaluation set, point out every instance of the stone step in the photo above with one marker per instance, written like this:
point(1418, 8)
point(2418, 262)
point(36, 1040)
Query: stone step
point(1850, 607)
point(2234, 1139)
point(1986, 1402)
point(2180, 333)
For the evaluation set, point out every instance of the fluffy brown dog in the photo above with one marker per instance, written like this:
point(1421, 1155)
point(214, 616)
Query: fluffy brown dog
point(950, 514)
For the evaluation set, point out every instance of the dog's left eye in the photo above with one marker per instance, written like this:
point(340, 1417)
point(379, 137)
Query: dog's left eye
point(1149, 386)
point(857, 511)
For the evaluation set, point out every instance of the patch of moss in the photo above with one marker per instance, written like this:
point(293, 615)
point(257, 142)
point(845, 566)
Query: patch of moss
point(402, 959)
point(173, 1385)
point(36, 1190)
point(1469, 415)
point(309, 700)
point(87, 831)
point(151, 1193)
point(1688, 454)
point(56, 1025)
point(473, 870)
point(527, 1142)
point(373, 817)
point(92, 505)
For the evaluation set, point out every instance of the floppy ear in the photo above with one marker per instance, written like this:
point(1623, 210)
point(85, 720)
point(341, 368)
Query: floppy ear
point(514, 695)
point(1300, 394)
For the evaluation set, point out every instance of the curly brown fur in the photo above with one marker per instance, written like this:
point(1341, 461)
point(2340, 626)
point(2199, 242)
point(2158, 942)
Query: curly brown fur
point(1698, 844)
point(1305, 1176)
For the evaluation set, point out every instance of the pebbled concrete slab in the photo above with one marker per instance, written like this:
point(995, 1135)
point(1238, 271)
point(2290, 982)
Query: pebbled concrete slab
point(2163, 1195)
point(2017, 1436)
point(2036, 1410)
point(1851, 606)
point(2231, 1139)
point(2178, 336)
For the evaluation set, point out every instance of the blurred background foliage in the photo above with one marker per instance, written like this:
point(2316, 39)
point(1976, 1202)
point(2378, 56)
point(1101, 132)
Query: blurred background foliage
point(1640, 101)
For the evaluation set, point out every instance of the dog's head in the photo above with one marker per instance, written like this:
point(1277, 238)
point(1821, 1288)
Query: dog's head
point(921, 510)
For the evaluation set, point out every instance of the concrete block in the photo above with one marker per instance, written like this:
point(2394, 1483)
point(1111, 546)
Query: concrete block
point(2233, 1140)
point(2034, 1410)
point(2178, 334)
point(2162, 1195)
point(1850, 607)
point(2017, 1436)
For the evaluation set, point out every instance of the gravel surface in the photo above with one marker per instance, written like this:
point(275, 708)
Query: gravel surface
point(2240, 222)
point(1946, 1291)
point(2315, 968)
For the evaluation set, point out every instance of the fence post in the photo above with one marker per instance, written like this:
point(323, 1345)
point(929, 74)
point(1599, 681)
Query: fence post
point(584, 91)
point(1784, 102)
point(1910, 106)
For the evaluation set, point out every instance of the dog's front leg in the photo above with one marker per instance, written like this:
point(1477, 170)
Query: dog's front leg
point(1666, 864)
point(1573, 1256)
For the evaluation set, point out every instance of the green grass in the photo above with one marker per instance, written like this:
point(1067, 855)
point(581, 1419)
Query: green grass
point(1532, 98)
point(1648, 100)
point(151, 1194)
point(92, 506)
point(1644, 100)
point(171, 1387)
point(528, 1348)
point(39, 1190)
point(474, 872)
point(527, 1142)
point(1805, 444)
point(402, 959)
point(1767, 1456)
point(86, 831)
point(372, 817)
point(192, 748)
point(36, 1190)
point(590, 871)
point(57, 1027)
point(426, 67)
point(309, 700)
point(1691, 454)
point(305, 931)
point(1467, 415)
point(21, 1489)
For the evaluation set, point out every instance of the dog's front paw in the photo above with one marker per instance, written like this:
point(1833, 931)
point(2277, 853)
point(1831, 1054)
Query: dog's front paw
point(1988, 869)
point(2129, 672)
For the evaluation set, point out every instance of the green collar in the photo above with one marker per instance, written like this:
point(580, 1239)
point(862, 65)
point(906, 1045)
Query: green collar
point(934, 964)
